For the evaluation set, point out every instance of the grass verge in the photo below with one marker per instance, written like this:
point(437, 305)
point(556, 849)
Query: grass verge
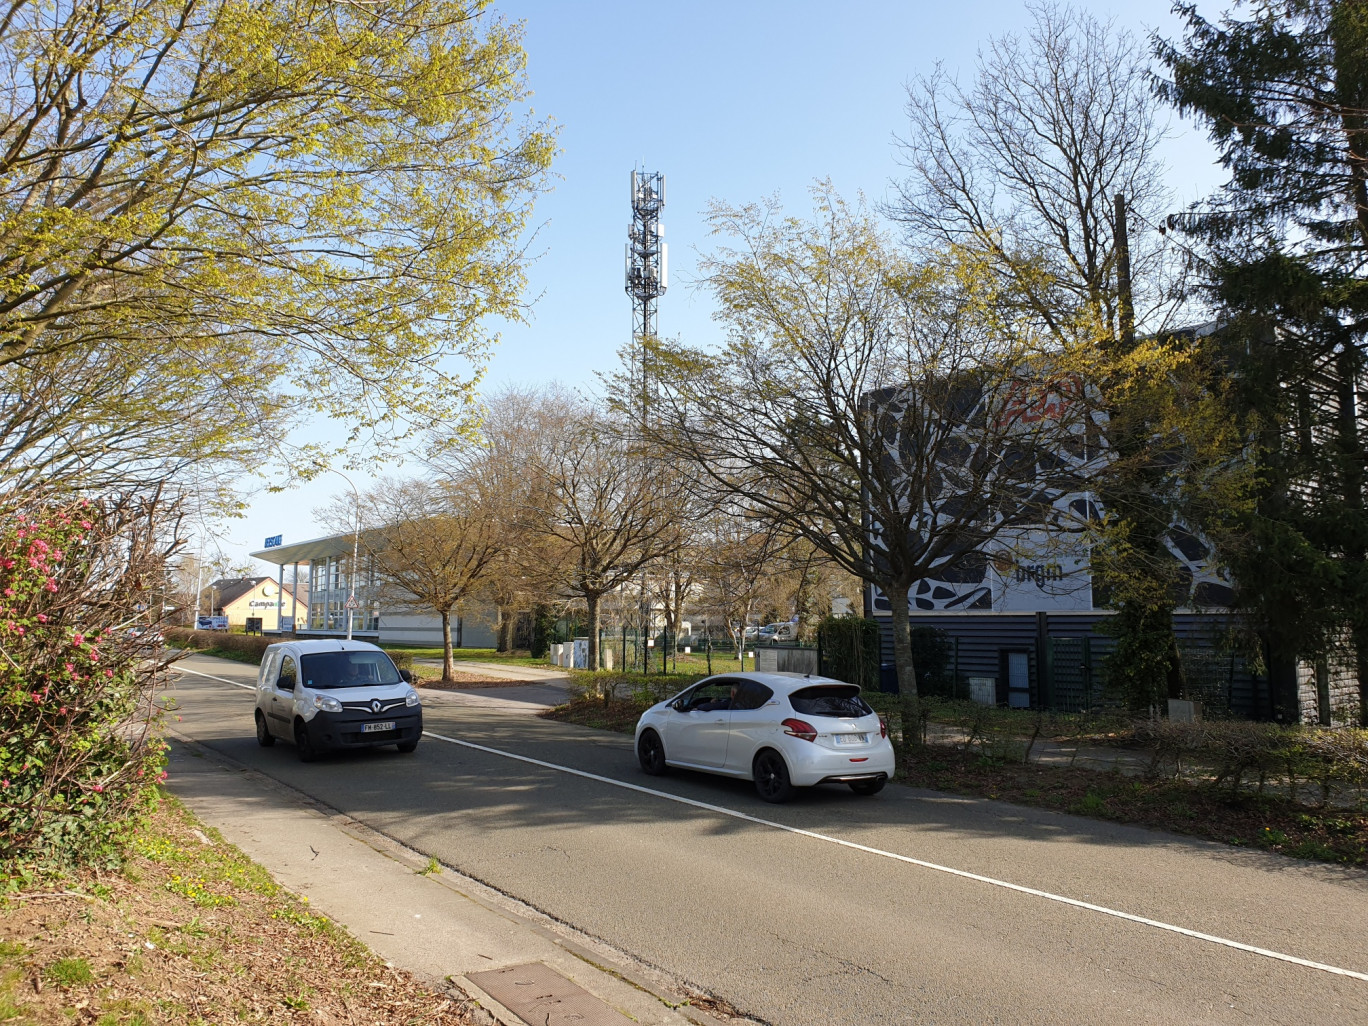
point(191, 932)
point(1197, 808)
point(479, 655)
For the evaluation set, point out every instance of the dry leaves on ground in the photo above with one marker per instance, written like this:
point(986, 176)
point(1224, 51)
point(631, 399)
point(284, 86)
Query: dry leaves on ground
point(192, 932)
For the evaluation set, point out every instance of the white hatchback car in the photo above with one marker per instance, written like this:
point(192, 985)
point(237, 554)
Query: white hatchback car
point(781, 730)
point(335, 694)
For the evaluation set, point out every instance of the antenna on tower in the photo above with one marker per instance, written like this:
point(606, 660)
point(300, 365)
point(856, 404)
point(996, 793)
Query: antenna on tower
point(647, 266)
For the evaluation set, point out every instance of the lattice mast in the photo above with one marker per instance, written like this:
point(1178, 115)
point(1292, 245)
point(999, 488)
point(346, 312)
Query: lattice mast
point(647, 267)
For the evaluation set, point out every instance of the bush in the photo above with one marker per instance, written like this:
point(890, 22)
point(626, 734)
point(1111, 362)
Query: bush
point(78, 747)
point(543, 628)
point(222, 641)
point(850, 650)
point(644, 688)
point(1236, 750)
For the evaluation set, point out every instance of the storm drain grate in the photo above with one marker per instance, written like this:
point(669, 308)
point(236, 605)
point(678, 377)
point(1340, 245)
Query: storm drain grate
point(540, 996)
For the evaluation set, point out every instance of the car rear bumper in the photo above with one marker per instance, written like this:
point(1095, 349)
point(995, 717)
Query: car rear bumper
point(347, 729)
point(823, 766)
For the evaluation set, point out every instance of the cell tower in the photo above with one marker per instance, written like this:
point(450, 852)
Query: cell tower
point(648, 265)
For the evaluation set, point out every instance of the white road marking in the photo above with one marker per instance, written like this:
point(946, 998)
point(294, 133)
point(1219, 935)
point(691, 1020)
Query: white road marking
point(235, 683)
point(921, 863)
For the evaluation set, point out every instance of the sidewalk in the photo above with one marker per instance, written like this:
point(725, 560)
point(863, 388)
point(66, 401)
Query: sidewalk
point(444, 927)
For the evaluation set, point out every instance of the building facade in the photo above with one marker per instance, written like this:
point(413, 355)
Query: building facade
point(379, 612)
point(243, 598)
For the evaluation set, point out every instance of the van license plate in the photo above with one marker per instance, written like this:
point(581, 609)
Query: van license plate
point(375, 728)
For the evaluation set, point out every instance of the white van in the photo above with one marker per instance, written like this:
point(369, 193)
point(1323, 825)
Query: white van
point(324, 695)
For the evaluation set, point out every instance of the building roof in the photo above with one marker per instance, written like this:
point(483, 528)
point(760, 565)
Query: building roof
point(308, 551)
point(230, 589)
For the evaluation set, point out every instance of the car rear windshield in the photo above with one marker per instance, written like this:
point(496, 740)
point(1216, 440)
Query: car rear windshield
point(328, 670)
point(829, 700)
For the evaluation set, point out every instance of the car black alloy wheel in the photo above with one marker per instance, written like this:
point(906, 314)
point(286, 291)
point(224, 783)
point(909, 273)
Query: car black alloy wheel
point(772, 777)
point(307, 753)
point(264, 736)
point(868, 786)
point(651, 753)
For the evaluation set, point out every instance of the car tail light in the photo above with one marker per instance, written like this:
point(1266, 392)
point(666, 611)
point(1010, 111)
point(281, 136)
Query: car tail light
point(799, 728)
point(883, 727)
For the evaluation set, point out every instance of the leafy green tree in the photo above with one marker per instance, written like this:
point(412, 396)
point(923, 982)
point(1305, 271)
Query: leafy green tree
point(869, 404)
point(1283, 93)
point(292, 207)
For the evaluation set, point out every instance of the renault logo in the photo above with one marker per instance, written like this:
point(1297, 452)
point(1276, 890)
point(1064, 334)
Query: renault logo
point(375, 705)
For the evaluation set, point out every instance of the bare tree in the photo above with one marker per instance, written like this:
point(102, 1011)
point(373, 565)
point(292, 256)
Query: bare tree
point(609, 511)
point(736, 568)
point(433, 545)
point(1023, 165)
point(517, 429)
point(887, 412)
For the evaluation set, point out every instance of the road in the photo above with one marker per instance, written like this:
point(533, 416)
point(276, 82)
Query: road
point(836, 909)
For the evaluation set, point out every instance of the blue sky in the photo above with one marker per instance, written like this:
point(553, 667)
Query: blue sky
point(736, 101)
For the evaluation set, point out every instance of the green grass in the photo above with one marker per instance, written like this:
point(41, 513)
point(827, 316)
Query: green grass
point(70, 972)
point(237, 657)
point(478, 655)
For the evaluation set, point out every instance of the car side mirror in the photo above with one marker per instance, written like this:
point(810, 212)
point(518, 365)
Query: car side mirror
point(406, 676)
point(679, 705)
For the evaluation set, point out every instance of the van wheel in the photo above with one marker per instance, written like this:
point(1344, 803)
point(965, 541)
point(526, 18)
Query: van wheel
point(264, 736)
point(407, 746)
point(307, 752)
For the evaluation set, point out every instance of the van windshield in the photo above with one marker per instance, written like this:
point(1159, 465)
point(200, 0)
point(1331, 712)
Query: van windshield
point(327, 670)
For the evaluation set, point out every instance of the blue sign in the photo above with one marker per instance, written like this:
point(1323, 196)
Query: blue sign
point(274, 541)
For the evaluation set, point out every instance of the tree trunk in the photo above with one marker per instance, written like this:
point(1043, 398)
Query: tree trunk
point(448, 663)
point(1361, 665)
point(505, 634)
point(592, 602)
point(908, 699)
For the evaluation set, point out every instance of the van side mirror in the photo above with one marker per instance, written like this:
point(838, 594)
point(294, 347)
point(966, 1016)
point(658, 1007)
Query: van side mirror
point(406, 676)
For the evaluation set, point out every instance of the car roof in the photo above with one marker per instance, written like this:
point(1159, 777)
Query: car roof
point(782, 682)
point(325, 645)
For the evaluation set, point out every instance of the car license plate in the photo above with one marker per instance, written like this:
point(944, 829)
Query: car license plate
point(851, 739)
point(375, 728)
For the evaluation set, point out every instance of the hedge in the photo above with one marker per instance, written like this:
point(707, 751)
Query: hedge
point(244, 644)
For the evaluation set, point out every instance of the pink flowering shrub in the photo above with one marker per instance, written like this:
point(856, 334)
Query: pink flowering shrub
point(79, 752)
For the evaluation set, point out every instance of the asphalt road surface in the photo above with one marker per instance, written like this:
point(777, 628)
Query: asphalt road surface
point(837, 909)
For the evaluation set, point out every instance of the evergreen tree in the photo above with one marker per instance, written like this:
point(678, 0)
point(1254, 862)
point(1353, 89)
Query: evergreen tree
point(1284, 95)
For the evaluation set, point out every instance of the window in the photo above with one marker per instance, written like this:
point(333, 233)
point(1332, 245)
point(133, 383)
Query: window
point(750, 695)
point(713, 695)
point(327, 670)
point(829, 700)
point(317, 615)
point(288, 674)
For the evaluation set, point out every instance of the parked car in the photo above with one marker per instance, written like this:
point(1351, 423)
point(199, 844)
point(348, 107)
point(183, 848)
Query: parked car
point(326, 695)
point(780, 730)
point(784, 631)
